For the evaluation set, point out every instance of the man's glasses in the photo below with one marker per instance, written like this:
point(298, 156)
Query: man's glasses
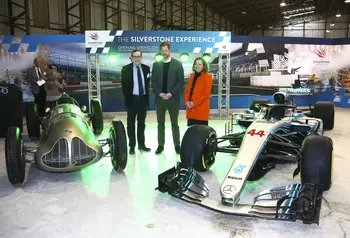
point(136, 57)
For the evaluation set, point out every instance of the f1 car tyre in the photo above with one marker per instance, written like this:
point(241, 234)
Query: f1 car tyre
point(198, 147)
point(258, 101)
point(316, 162)
point(14, 156)
point(96, 116)
point(33, 121)
point(118, 145)
point(325, 111)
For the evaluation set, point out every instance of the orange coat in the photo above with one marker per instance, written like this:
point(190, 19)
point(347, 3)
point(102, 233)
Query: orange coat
point(200, 97)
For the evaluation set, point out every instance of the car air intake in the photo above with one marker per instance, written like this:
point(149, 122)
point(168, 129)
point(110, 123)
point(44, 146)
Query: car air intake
point(58, 157)
point(81, 153)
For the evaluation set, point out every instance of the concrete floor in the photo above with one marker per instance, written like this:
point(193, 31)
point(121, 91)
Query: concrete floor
point(98, 202)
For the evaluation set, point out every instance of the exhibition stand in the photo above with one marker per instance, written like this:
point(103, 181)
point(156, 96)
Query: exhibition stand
point(118, 42)
point(257, 65)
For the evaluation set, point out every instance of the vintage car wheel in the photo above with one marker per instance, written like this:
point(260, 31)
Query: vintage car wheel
point(33, 121)
point(118, 145)
point(96, 116)
point(316, 162)
point(198, 147)
point(325, 111)
point(14, 156)
point(258, 101)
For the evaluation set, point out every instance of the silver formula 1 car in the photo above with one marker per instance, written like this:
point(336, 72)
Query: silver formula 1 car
point(67, 141)
point(271, 134)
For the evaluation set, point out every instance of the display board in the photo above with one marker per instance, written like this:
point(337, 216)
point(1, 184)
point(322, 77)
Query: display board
point(104, 42)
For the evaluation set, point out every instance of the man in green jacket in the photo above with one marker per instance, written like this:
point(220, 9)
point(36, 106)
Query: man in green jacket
point(167, 82)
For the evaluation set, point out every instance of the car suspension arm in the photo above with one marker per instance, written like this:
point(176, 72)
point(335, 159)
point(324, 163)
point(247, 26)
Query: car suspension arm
point(281, 140)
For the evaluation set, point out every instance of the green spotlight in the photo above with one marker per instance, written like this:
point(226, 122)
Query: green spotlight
point(159, 57)
point(206, 57)
point(184, 57)
point(112, 58)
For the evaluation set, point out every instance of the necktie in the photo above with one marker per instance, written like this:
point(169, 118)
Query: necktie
point(140, 81)
point(39, 73)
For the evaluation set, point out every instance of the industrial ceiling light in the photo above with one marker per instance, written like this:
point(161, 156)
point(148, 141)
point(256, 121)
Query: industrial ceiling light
point(347, 1)
point(328, 31)
point(338, 14)
point(331, 24)
point(184, 57)
point(206, 57)
point(112, 58)
point(159, 57)
point(283, 4)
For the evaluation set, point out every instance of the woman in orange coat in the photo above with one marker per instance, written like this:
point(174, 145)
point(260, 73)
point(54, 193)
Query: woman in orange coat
point(197, 94)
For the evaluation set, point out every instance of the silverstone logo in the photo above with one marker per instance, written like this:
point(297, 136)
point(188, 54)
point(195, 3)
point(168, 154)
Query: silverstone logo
point(93, 40)
point(94, 36)
point(321, 53)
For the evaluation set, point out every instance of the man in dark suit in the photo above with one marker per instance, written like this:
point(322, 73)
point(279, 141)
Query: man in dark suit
point(167, 82)
point(135, 80)
point(37, 74)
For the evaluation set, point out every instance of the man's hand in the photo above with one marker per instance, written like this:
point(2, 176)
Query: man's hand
point(163, 96)
point(169, 95)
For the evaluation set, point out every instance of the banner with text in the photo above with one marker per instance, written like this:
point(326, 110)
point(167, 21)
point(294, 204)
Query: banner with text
point(148, 41)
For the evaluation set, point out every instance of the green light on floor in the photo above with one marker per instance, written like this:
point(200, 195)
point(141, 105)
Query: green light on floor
point(184, 57)
point(206, 57)
point(159, 57)
point(96, 179)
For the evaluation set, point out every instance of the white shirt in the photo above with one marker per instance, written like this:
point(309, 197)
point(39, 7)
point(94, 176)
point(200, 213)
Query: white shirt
point(168, 60)
point(136, 81)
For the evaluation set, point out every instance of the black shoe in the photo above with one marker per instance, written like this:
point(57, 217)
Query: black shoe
point(159, 149)
point(177, 149)
point(144, 148)
point(132, 151)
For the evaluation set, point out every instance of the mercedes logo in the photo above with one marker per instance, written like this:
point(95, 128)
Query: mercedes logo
point(228, 189)
point(3, 90)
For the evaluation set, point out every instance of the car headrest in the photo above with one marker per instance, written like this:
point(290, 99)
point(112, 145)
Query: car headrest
point(281, 98)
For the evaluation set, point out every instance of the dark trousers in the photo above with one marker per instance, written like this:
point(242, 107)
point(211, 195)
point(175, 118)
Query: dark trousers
point(138, 108)
point(173, 109)
point(191, 122)
point(40, 101)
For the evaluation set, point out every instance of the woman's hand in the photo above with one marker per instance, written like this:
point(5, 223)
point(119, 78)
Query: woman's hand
point(189, 104)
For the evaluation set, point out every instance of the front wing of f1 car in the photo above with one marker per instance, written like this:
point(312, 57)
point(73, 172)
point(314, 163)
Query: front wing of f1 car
point(287, 203)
